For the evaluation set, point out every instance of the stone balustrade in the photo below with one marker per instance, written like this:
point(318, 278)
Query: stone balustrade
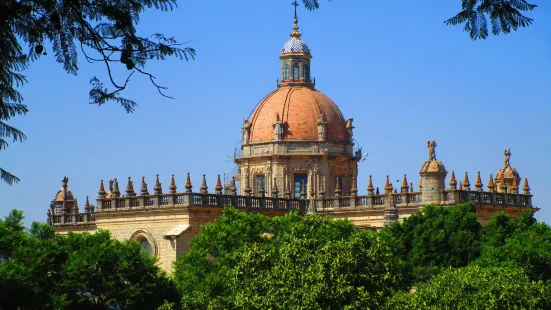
point(322, 205)
point(311, 148)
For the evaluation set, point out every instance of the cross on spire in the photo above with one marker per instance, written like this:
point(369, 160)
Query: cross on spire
point(295, 4)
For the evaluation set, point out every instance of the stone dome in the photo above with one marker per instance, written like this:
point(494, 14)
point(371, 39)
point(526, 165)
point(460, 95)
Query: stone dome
point(299, 109)
point(508, 173)
point(295, 45)
point(64, 195)
point(433, 166)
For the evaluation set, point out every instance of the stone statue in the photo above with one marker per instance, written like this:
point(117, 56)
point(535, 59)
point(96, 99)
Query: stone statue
point(246, 130)
point(321, 127)
point(431, 145)
point(349, 128)
point(111, 185)
point(278, 128)
point(507, 160)
point(65, 180)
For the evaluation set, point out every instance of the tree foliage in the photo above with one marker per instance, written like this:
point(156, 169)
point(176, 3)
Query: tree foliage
point(40, 269)
point(474, 287)
point(251, 261)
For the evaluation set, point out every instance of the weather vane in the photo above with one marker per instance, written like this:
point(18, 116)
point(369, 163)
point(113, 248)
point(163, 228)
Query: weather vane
point(295, 4)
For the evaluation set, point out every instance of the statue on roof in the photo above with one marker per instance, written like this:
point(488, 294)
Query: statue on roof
point(278, 128)
point(507, 159)
point(321, 127)
point(65, 181)
point(349, 128)
point(246, 130)
point(431, 145)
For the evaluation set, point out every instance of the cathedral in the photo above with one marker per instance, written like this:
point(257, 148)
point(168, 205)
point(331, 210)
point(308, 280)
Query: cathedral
point(297, 153)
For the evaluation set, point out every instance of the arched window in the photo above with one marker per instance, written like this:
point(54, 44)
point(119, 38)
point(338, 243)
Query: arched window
point(286, 72)
point(295, 72)
point(306, 72)
point(146, 246)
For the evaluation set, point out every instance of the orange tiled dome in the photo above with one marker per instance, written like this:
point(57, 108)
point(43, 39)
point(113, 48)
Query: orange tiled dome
point(509, 173)
point(67, 194)
point(433, 166)
point(299, 109)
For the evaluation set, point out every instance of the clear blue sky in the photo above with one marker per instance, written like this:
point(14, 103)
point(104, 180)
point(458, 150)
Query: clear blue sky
point(394, 67)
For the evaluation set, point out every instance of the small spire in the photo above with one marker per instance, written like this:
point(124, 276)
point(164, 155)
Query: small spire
point(411, 187)
point(295, 33)
point(353, 190)
point(101, 192)
point(143, 189)
point(502, 185)
point(526, 187)
point(514, 187)
point(116, 191)
point(370, 185)
point(172, 186)
point(322, 187)
point(460, 186)
point(404, 187)
point(302, 190)
point(466, 183)
point(420, 184)
point(247, 189)
point(87, 206)
point(218, 188)
point(204, 188)
point(130, 188)
point(391, 212)
point(188, 184)
point(478, 183)
point(395, 191)
point(275, 191)
point(377, 191)
point(75, 206)
point(388, 185)
point(157, 188)
point(453, 182)
point(491, 185)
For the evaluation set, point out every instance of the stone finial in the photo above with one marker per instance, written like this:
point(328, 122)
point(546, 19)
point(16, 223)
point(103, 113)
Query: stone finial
point(302, 190)
point(233, 189)
point(172, 186)
point(87, 206)
point(218, 188)
point(404, 187)
point(322, 187)
point(411, 187)
point(275, 191)
point(395, 191)
point(502, 185)
point(453, 182)
point(526, 187)
point(460, 186)
point(370, 188)
point(188, 184)
point(116, 191)
point(420, 184)
point(388, 186)
point(491, 186)
point(377, 191)
point(130, 188)
point(507, 158)
point(466, 183)
point(262, 190)
point(158, 188)
point(143, 189)
point(514, 187)
point(75, 206)
point(338, 190)
point(204, 188)
point(101, 192)
point(478, 183)
point(354, 189)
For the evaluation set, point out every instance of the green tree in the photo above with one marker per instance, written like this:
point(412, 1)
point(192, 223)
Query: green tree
point(251, 261)
point(475, 287)
point(438, 237)
point(528, 248)
point(90, 271)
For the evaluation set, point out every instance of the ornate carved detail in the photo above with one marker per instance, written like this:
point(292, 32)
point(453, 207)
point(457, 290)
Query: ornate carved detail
point(278, 128)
